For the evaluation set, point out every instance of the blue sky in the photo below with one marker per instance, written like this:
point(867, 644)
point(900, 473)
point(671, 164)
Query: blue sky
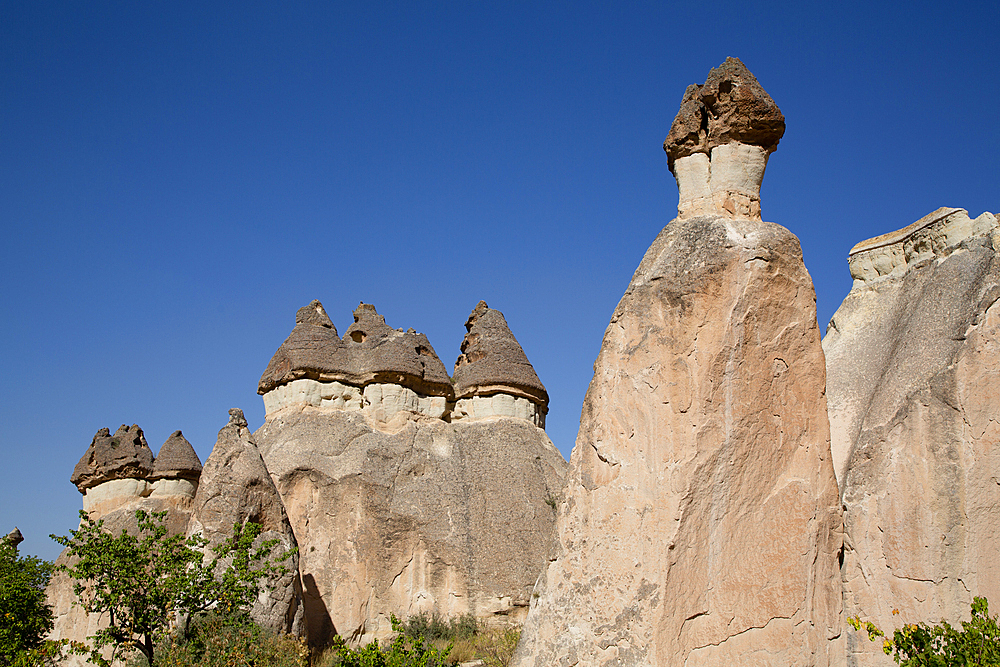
point(176, 179)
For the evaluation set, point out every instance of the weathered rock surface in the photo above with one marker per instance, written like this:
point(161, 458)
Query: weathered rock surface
point(701, 523)
point(124, 455)
point(176, 460)
point(14, 537)
point(412, 515)
point(235, 488)
point(719, 143)
point(374, 367)
point(914, 398)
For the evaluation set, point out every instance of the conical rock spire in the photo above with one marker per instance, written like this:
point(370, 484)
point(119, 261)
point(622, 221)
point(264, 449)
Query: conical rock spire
point(493, 361)
point(176, 459)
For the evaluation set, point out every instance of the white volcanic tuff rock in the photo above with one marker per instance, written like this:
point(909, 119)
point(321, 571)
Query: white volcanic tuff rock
point(411, 515)
point(701, 524)
point(236, 488)
point(913, 381)
point(382, 401)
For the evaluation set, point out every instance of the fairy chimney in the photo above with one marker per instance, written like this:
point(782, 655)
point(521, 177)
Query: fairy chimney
point(719, 143)
point(493, 375)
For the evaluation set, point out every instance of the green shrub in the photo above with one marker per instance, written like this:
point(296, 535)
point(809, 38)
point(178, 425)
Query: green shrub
point(216, 640)
point(496, 645)
point(25, 618)
point(402, 651)
point(922, 645)
point(432, 627)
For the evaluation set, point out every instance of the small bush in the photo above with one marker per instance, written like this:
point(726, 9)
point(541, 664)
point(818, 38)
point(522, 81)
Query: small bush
point(218, 641)
point(402, 651)
point(496, 645)
point(433, 627)
point(919, 644)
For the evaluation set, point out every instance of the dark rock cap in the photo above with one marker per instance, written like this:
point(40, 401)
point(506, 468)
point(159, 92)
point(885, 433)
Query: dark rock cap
point(124, 455)
point(313, 350)
point(371, 351)
point(492, 360)
point(730, 106)
point(176, 460)
point(380, 353)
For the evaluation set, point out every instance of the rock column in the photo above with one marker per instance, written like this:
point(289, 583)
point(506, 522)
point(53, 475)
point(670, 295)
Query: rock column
point(700, 524)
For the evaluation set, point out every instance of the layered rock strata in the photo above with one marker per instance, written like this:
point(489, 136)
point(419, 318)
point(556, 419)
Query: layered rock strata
point(401, 510)
point(701, 523)
point(913, 391)
point(719, 143)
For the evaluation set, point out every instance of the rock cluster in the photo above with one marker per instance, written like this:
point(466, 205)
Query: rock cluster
point(119, 475)
point(407, 493)
point(700, 523)
point(719, 143)
point(913, 385)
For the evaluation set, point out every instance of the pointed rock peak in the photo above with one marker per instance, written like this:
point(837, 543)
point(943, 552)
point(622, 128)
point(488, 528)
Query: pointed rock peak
point(366, 313)
point(492, 361)
point(313, 350)
point(176, 460)
point(14, 537)
point(236, 418)
point(379, 353)
point(731, 106)
point(124, 455)
point(314, 314)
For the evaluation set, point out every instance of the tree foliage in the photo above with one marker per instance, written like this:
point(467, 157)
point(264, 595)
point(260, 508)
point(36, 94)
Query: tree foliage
point(976, 644)
point(141, 584)
point(25, 618)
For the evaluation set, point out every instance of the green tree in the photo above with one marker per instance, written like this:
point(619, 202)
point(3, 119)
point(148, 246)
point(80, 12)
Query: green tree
point(976, 644)
point(25, 618)
point(142, 583)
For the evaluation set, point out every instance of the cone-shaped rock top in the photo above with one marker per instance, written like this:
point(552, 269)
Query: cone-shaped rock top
point(313, 350)
point(177, 459)
point(371, 351)
point(731, 106)
point(123, 455)
point(493, 361)
point(380, 353)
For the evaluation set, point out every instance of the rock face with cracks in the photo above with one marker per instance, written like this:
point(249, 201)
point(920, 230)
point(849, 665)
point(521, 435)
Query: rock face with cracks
point(404, 501)
point(700, 523)
point(235, 489)
point(913, 386)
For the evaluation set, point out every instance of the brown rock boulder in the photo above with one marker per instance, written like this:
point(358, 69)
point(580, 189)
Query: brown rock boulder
point(913, 388)
point(236, 488)
point(313, 350)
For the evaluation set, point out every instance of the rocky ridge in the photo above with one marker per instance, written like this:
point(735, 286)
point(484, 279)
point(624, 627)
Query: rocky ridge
point(912, 388)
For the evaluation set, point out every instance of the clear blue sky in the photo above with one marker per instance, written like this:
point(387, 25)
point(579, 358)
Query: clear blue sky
point(176, 179)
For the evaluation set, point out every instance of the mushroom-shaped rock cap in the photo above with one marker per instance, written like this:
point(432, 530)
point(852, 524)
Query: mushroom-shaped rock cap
point(176, 460)
point(313, 350)
point(492, 360)
point(730, 106)
point(124, 455)
point(380, 353)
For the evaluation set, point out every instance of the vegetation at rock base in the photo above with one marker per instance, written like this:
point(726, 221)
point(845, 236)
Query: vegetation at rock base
point(143, 583)
point(25, 618)
point(219, 640)
point(922, 645)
